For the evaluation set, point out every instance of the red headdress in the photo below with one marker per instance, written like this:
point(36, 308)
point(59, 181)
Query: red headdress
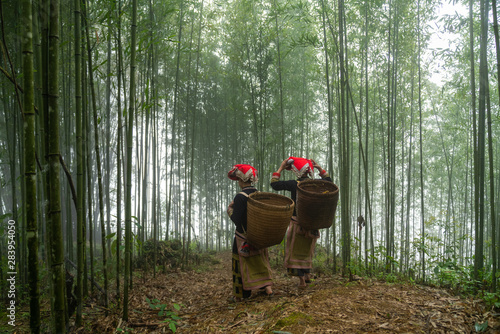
point(300, 166)
point(243, 172)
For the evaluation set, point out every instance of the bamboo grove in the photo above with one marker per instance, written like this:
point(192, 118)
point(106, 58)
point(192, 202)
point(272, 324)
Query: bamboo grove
point(121, 118)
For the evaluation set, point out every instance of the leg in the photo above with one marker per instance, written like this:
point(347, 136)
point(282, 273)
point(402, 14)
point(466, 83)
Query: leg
point(238, 291)
point(302, 282)
point(307, 275)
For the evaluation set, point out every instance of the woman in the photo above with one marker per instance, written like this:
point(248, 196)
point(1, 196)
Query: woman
point(300, 243)
point(251, 269)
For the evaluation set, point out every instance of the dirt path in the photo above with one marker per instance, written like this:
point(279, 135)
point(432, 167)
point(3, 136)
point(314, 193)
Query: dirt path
point(329, 305)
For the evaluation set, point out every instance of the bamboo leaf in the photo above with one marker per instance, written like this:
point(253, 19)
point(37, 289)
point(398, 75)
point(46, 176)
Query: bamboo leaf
point(109, 236)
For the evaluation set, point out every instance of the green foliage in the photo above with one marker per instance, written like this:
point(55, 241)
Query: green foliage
point(168, 252)
point(170, 316)
point(194, 246)
point(492, 299)
point(137, 242)
point(481, 327)
point(321, 261)
point(391, 277)
point(449, 274)
point(111, 235)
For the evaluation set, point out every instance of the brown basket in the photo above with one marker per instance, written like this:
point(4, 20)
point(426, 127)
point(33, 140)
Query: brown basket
point(316, 203)
point(268, 216)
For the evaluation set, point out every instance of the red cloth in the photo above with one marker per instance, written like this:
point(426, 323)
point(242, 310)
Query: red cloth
point(243, 172)
point(300, 166)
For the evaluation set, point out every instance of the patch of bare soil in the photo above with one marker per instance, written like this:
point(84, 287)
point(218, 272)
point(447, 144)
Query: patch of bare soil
point(328, 305)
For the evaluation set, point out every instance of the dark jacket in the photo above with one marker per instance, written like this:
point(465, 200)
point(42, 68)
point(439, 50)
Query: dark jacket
point(239, 216)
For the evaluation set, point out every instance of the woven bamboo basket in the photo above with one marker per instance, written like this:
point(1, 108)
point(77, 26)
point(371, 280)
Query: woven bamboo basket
point(268, 216)
point(316, 203)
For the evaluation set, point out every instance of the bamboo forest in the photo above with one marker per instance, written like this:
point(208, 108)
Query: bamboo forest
point(121, 121)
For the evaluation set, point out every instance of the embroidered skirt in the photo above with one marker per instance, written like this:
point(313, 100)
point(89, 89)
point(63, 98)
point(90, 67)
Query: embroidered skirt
point(251, 270)
point(299, 248)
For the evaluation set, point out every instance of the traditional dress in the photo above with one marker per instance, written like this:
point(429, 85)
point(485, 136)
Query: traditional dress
point(250, 266)
point(300, 243)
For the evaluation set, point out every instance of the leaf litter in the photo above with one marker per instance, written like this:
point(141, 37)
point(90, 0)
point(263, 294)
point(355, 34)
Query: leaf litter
point(330, 304)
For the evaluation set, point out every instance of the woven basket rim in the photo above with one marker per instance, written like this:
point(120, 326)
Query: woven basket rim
point(252, 199)
point(313, 193)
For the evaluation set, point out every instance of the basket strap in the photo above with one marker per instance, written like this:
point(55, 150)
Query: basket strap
point(242, 236)
point(246, 195)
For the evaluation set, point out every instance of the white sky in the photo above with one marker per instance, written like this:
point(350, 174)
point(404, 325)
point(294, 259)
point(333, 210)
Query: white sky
point(443, 40)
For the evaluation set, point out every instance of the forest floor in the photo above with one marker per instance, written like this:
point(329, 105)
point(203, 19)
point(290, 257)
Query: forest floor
point(331, 304)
